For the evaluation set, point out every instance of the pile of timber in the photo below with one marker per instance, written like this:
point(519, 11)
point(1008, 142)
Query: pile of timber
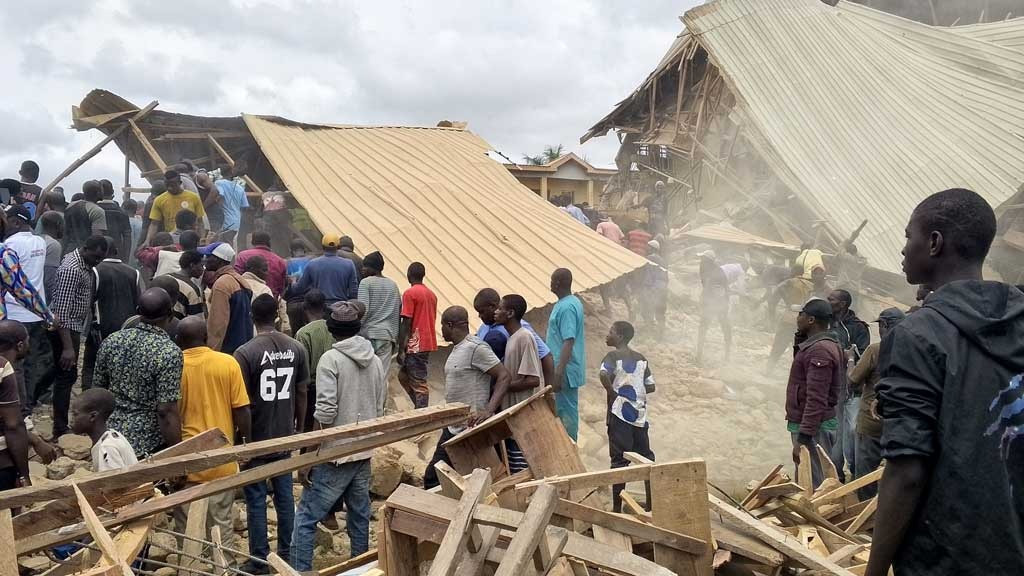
point(117, 508)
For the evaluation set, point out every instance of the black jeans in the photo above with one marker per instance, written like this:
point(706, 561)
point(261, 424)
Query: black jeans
point(622, 438)
point(62, 385)
point(33, 369)
point(92, 345)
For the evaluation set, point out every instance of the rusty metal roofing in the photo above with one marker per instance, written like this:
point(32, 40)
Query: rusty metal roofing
point(863, 114)
point(433, 195)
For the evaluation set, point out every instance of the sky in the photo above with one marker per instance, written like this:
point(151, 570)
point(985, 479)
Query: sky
point(523, 74)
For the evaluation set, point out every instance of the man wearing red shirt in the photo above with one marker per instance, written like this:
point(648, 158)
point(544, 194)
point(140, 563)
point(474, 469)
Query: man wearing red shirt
point(278, 266)
point(416, 335)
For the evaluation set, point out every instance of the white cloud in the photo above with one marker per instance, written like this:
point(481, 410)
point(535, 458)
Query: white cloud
point(523, 74)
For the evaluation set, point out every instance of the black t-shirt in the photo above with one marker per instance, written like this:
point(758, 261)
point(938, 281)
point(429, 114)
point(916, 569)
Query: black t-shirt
point(274, 368)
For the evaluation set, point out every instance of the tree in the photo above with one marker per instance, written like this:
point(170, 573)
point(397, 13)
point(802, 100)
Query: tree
point(550, 154)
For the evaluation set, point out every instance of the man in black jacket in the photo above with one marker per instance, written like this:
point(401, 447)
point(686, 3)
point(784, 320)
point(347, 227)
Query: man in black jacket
point(854, 337)
point(951, 398)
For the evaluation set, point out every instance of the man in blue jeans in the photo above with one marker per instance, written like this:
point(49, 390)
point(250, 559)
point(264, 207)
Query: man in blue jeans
point(350, 386)
point(276, 375)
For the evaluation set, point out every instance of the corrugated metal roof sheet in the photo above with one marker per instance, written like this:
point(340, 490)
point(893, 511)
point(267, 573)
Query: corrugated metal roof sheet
point(863, 114)
point(1009, 33)
point(433, 195)
point(726, 232)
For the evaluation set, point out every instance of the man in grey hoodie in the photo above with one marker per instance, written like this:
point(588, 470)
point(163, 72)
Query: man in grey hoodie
point(951, 398)
point(350, 387)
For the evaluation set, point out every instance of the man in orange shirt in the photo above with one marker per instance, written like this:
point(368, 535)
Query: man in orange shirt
point(637, 239)
point(417, 336)
point(212, 396)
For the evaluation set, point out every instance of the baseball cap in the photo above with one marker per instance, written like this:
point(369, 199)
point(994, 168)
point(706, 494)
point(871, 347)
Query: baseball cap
point(18, 211)
point(890, 315)
point(818, 309)
point(331, 241)
point(221, 250)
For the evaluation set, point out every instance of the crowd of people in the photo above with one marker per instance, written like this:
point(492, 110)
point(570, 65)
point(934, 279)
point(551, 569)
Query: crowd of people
point(180, 333)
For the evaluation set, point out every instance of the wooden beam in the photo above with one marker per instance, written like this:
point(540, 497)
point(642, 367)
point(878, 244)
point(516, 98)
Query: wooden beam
point(202, 135)
point(59, 513)
point(679, 496)
point(531, 531)
point(147, 146)
point(462, 535)
point(845, 553)
point(99, 146)
point(190, 463)
point(111, 555)
point(803, 472)
point(743, 545)
point(781, 541)
point(630, 527)
point(473, 563)
point(612, 538)
point(634, 508)
point(243, 478)
point(195, 530)
point(129, 541)
point(282, 567)
point(396, 552)
point(452, 483)
point(549, 549)
point(850, 487)
point(777, 490)
point(827, 465)
point(587, 480)
point(804, 508)
point(220, 150)
point(861, 518)
point(441, 510)
point(752, 495)
point(217, 550)
point(342, 567)
point(8, 557)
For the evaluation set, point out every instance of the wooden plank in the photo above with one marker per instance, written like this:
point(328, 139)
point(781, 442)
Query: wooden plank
point(805, 509)
point(461, 534)
point(496, 419)
point(111, 555)
point(96, 149)
point(803, 472)
point(195, 530)
point(203, 135)
point(630, 504)
point(147, 146)
point(8, 557)
point(545, 444)
point(473, 563)
point(342, 567)
point(129, 542)
point(452, 483)
point(549, 548)
point(397, 552)
point(635, 458)
point(613, 538)
point(140, 510)
point(863, 517)
point(845, 553)
point(59, 513)
point(441, 510)
point(679, 495)
point(630, 527)
point(217, 550)
point(743, 545)
point(587, 480)
point(850, 487)
point(531, 530)
point(752, 495)
point(827, 466)
point(151, 471)
point(781, 541)
point(220, 150)
point(777, 490)
point(282, 567)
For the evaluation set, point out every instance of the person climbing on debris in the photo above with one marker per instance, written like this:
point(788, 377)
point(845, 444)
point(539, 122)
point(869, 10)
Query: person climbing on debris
point(951, 500)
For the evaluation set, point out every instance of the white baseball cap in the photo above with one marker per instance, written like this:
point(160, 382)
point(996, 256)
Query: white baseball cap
point(221, 250)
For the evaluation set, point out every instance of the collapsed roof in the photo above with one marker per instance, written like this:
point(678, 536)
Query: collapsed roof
point(430, 195)
point(829, 115)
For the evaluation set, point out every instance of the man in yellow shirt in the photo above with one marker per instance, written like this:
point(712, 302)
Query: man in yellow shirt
point(167, 205)
point(212, 396)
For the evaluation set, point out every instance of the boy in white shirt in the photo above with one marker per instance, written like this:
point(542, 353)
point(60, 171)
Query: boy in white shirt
point(89, 413)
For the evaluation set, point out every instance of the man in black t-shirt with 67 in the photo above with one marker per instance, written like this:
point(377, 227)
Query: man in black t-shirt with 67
point(276, 377)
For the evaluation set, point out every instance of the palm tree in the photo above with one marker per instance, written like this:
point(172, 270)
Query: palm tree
point(550, 154)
